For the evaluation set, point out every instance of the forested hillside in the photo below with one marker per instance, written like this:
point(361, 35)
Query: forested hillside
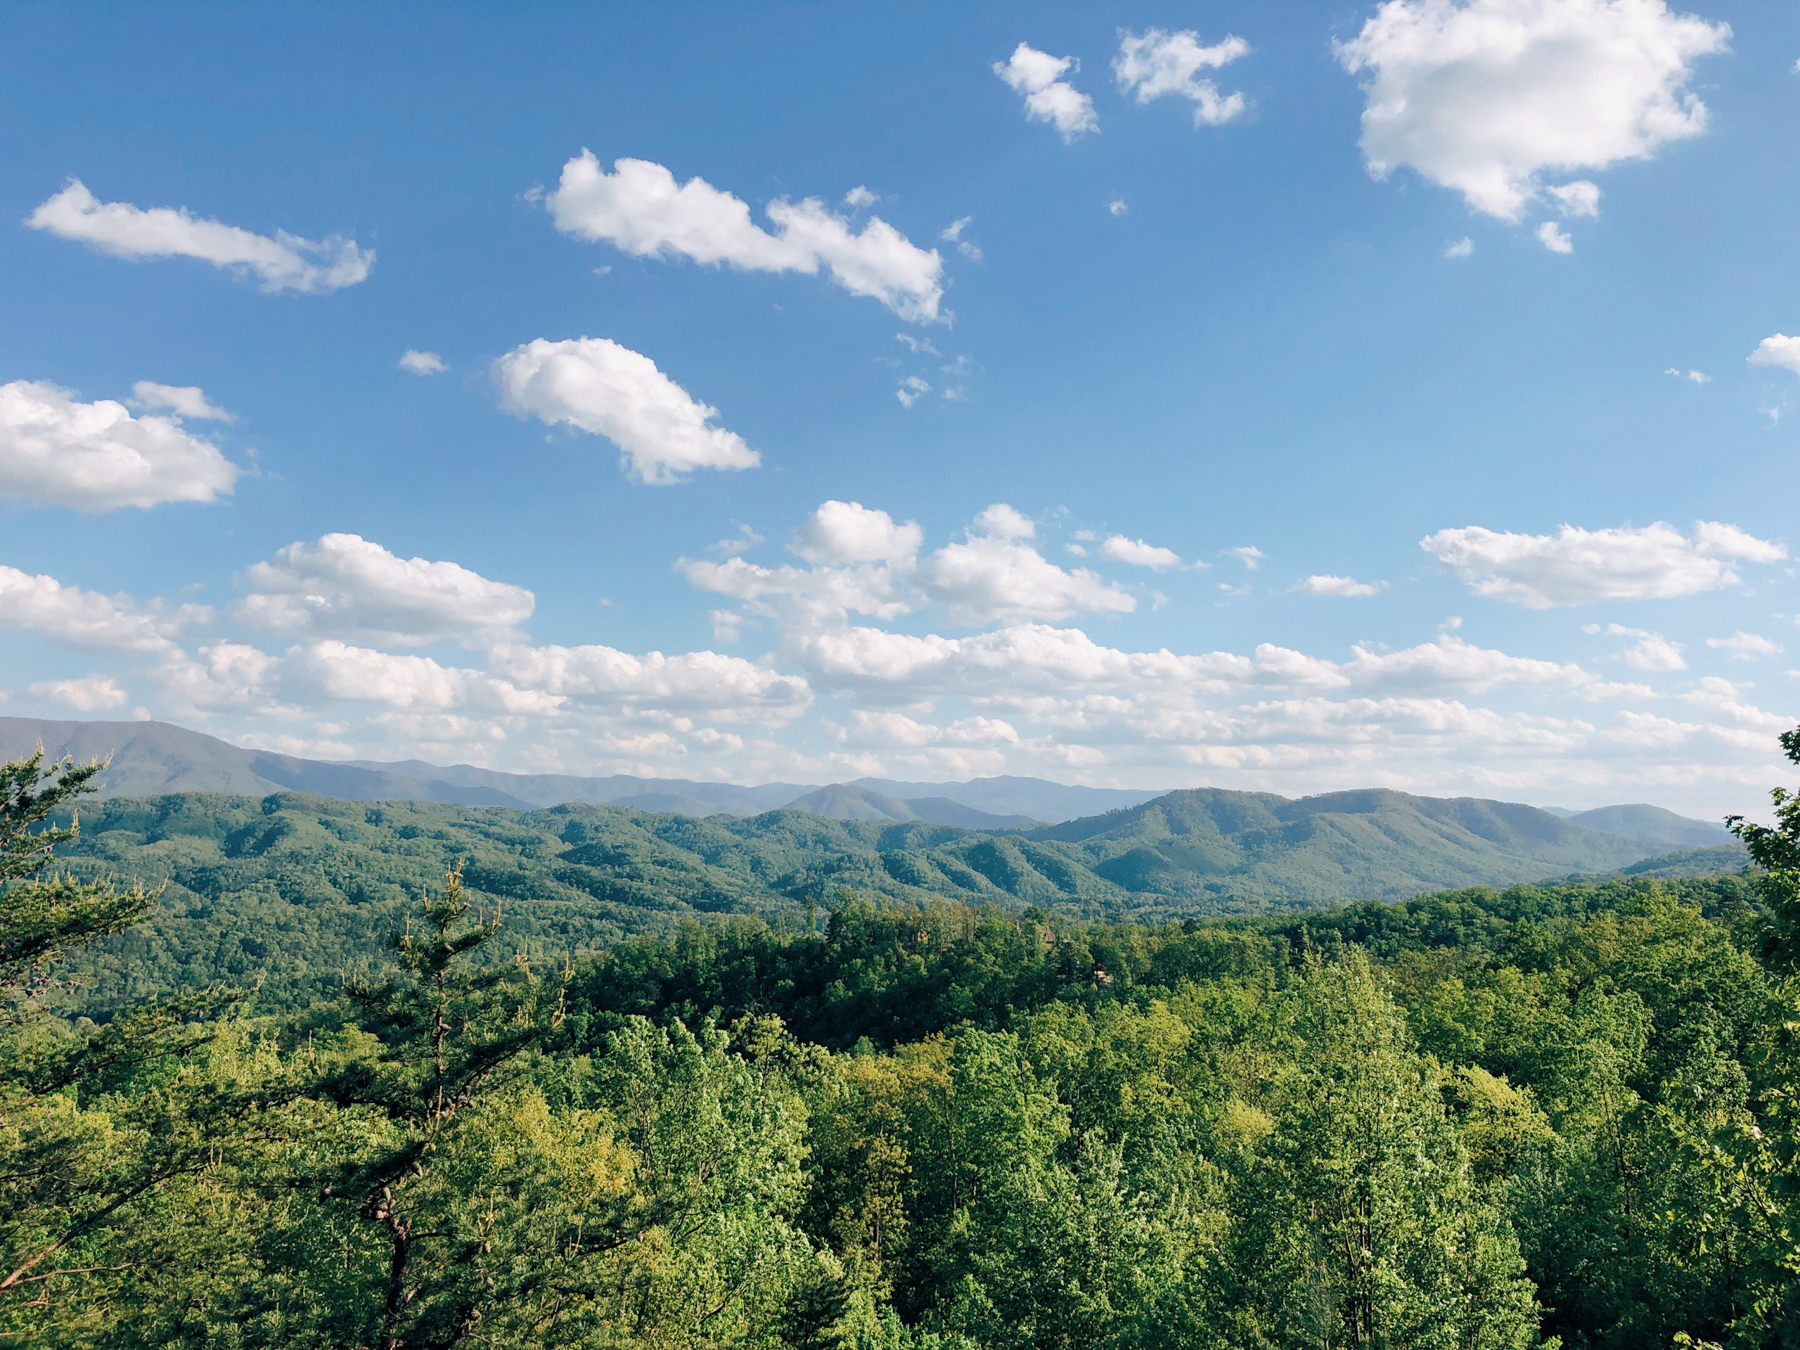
point(1512, 1118)
point(293, 892)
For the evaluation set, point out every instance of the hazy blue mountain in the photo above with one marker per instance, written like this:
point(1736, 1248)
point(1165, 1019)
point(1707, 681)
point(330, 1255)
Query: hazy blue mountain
point(1656, 829)
point(552, 789)
point(850, 801)
point(1032, 798)
point(157, 757)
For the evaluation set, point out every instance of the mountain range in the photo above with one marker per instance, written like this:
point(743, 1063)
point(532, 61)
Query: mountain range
point(150, 758)
point(154, 758)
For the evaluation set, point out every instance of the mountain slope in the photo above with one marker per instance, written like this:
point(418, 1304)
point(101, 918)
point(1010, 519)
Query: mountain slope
point(849, 801)
point(296, 889)
point(156, 757)
point(1032, 798)
point(1254, 849)
point(1652, 827)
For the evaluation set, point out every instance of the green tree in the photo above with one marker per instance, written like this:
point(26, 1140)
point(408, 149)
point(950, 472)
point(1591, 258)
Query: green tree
point(1358, 1221)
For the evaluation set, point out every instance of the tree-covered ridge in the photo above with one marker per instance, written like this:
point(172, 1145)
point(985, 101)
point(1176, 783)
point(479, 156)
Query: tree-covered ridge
point(296, 891)
point(1547, 1115)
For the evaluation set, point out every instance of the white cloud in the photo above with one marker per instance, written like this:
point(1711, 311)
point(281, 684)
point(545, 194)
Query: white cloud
point(640, 208)
point(1450, 665)
point(1487, 96)
point(344, 586)
point(1048, 97)
point(334, 671)
point(1553, 237)
point(187, 400)
point(1692, 376)
point(1576, 199)
point(866, 564)
point(859, 197)
point(849, 532)
point(1248, 554)
point(1462, 248)
point(1651, 651)
point(1576, 566)
point(953, 234)
point(1780, 351)
point(916, 345)
point(805, 597)
point(1139, 554)
point(284, 263)
point(911, 390)
point(993, 575)
point(1117, 207)
point(88, 621)
point(724, 685)
point(1344, 586)
point(1004, 522)
point(612, 391)
point(422, 363)
point(97, 456)
point(1745, 646)
point(1157, 63)
point(89, 694)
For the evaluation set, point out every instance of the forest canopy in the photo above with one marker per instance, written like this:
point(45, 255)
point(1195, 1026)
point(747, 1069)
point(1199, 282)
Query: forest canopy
point(1555, 1114)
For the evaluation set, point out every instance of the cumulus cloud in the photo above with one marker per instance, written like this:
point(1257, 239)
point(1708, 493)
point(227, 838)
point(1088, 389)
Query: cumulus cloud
point(1022, 663)
point(1157, 63)
point(640, 208)
point(1692, 376)
point(849, 532)
point(1048, 97)
point(1780, 351)
point(804, 597)
point(1462, 248)
point(859, 197)
point(345, 586)
point(422, 363)
point(1553, 237)
point(88, 694)
point(1485, 97)
point(88, 621)
point(726, 686)
point(1117, 207)
point(1745, 646)
point(1139, 554)
point(911, 389)
point(1575, 199)
point(187, 400)
point(1650, 652)
point(866, 564)
point(1576, 566)
point(284, 263)
point(597, 385)
point(97, 456)
point(994, 574)
point(1345, 586)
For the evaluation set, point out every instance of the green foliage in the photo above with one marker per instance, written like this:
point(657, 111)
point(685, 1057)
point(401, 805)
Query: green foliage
point(291, 892)
point(592, 1078)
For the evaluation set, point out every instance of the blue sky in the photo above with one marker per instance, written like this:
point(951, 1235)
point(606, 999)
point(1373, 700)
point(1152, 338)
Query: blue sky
point(1208, 296)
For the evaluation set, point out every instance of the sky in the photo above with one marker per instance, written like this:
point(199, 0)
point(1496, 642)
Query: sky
point(1283, 397)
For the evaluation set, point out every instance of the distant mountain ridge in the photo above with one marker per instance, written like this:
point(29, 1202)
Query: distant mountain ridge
point(154, 758)
point(151, 758)
point(298, 886)
point(848, 801)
